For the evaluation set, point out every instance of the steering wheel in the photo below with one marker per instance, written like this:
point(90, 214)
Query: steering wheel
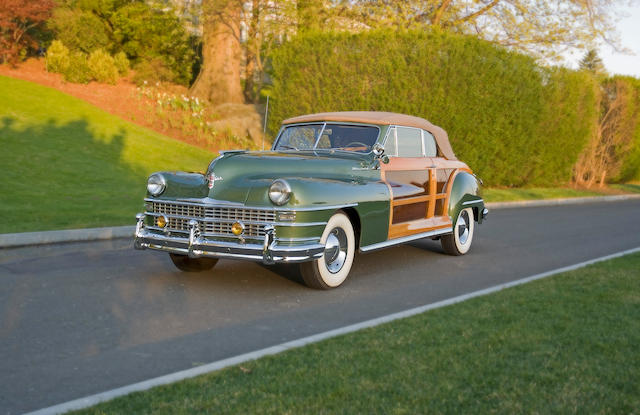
point(356, 144)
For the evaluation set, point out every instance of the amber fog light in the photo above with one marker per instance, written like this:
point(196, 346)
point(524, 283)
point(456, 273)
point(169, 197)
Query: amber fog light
point(162, 221)
point(237, 228)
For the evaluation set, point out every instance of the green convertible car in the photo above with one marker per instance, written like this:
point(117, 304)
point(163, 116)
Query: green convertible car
point(333, 184)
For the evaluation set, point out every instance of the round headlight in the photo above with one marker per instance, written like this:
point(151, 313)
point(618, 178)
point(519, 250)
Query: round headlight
point(279, 192)
point(156, 184)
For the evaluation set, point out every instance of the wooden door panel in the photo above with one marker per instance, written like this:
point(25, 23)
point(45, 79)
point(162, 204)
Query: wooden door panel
point(416, 205)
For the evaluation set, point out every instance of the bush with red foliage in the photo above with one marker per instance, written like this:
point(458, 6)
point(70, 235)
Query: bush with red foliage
point(18, 18)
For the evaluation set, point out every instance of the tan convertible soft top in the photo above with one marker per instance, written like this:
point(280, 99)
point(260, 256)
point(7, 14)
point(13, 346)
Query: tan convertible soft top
point(382, 118)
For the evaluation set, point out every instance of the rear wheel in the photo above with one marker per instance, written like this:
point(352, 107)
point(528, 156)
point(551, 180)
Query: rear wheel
point(459, 242)
point(186, 264)
point(330, 270)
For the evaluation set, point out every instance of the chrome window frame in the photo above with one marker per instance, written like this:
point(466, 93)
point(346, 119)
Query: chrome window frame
point(390, 130)
point(435, 143)
point(395, 137)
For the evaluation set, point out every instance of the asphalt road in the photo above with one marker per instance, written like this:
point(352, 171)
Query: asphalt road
point(78, 319)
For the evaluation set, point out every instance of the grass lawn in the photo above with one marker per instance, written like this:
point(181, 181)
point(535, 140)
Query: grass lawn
point(68, 164)
point(633, 187)
point(566, 344)
point(508, 195)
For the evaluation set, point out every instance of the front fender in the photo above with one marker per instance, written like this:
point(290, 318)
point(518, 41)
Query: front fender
point(465, 192)
point(182, 185)
point(369, 199)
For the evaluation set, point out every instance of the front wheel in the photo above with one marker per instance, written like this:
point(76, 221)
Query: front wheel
point(186, 264)
point(459, 242)
point(330, 270)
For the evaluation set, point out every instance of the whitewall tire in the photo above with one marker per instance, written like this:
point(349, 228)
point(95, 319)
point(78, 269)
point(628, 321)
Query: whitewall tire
point(332, 269)
point(459, 242)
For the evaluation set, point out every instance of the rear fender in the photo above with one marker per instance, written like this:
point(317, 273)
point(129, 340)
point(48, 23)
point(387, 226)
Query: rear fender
point(465, 192)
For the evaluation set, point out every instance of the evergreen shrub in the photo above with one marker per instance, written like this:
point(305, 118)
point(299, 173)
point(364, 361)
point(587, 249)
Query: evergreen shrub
point(78, 70)
point(102, 67)
point(57, 59)
point(122, 63)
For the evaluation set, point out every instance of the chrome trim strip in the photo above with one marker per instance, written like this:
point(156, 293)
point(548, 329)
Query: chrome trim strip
point(287, 259)
point(205, 202)
point(314, 239)
point(471, 202)
point(404, 239)
point(246, 222)
point(230, 236)
point(323, 207)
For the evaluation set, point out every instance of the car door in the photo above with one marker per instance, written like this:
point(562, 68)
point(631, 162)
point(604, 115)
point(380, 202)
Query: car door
point(416, 184)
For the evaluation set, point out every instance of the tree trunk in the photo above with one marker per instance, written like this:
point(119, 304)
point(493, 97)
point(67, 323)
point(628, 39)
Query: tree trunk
point(219, 79)
point(604, 173)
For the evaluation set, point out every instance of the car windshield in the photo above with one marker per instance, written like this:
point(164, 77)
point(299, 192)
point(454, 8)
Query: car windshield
point(357, 138)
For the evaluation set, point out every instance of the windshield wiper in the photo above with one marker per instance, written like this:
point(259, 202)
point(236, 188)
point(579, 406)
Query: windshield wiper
point(286, 147)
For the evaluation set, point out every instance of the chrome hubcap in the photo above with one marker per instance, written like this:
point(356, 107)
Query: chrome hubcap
point(463, 227)
point(335, 250)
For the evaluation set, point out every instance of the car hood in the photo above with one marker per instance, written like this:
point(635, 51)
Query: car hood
point(274, 164)
point(235, 174)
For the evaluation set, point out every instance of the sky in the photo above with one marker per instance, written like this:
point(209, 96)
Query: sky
point(629, 30)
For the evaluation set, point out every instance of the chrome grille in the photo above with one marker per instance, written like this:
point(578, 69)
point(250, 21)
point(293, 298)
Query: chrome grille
point(192, 211)
point(242, 214)
point(214, 219)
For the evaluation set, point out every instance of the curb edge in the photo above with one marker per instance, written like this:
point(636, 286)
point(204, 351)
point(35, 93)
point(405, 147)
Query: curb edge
point(15, 240)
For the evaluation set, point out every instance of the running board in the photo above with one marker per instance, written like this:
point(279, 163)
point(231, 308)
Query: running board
point(397, 241)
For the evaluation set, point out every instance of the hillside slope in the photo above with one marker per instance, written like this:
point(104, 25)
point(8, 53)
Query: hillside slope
point(68, 164)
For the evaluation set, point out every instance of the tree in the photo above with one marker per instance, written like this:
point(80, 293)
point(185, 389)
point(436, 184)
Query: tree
point(541, 28)
point(80, 29)
point(150, 33)
point(219, 78)
point(591, 62)
point(18, 18)
point(614, 135)
point(244, 32)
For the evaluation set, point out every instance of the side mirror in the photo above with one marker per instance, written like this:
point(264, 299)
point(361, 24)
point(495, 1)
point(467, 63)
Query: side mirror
point(378, 149)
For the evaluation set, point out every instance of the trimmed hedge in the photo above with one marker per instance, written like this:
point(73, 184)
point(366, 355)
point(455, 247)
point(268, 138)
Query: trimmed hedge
point(629, 153)
point(512, 121)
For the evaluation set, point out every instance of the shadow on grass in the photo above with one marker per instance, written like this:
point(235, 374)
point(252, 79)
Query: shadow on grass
point(65, 176)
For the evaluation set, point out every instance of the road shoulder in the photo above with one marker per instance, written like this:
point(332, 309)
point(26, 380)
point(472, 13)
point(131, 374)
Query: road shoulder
point(14, 240)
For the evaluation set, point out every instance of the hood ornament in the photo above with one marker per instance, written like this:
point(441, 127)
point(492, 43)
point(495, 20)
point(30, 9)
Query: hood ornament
point(211, 179)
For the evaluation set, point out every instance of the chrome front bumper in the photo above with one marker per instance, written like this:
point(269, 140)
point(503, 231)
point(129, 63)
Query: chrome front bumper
point(196, 246)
